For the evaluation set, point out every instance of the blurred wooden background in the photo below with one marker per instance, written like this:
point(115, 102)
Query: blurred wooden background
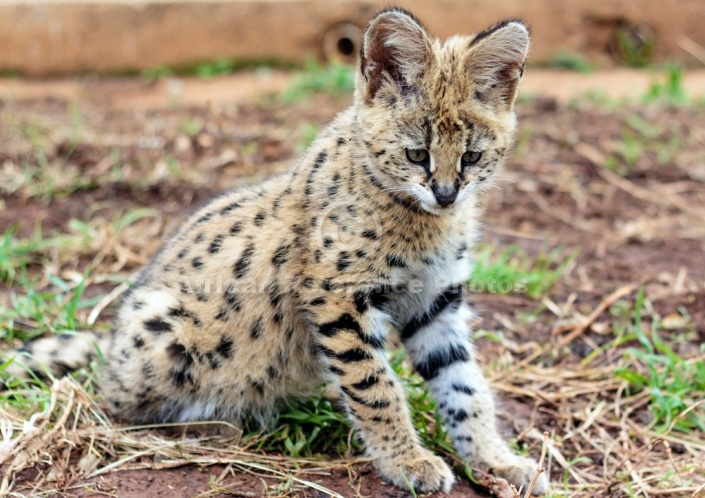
point(51, 37)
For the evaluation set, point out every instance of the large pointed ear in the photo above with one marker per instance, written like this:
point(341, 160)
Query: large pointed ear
point(396, 50)
point(496, 60)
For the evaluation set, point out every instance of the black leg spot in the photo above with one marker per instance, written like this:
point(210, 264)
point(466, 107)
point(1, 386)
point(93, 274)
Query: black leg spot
point(181, 312)
point(236, 228)
point(366, 383)
point(362, 301)
point(337, 371)
point(460, 416)
point(157, 325)
point(343, 261)
point(258, 385)
point(376, 404)
point(435, 361)
point(212, 360)
point(232, 298)
point(450, 298)
point(370, 234)
point(344, 322)
point(463, 388)
point(353, 355)
point(180, 373)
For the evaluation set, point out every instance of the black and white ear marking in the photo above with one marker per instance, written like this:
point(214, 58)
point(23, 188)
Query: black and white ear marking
point(496, 59)
point(396, 49)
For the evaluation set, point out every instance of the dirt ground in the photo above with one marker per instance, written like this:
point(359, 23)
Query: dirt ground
point(638, 222)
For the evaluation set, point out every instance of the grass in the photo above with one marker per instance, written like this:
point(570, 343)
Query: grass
point(670, 90)
point(572, 62)
point(44, 302)
point(512, 270)
point(667, 88)
point(38, 311)
point(318, 426)
point(632, 391)
point(643, 142)
point(308, 133)
point(310, 428)
point(42, 169)
point(212, 68)
point(17, 253)
point(334, 79)
point(674, 383)
point(634, 49)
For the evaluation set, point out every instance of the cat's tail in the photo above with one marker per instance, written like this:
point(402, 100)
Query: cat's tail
point(55, 355)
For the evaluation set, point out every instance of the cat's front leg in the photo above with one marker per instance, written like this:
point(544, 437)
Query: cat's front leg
point(438, 344)
point(350, 336)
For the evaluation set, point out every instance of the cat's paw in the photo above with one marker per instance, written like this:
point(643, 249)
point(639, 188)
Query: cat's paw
point(422, 470)
point(520, 471)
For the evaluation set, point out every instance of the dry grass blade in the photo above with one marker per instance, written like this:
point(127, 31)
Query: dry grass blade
point(107, 299)
point(541, 469)
point(578, 329)
point(73, 422)
point(35, 440)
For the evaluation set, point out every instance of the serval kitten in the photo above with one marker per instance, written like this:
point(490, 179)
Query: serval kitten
point(268, 291)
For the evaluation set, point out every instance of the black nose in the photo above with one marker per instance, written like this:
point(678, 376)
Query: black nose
point(445, 195)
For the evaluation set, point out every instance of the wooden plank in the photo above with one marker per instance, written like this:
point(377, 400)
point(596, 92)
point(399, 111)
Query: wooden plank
point(62, 37)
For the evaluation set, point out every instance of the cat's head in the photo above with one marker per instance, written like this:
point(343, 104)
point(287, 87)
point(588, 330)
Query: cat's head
point(437, 118)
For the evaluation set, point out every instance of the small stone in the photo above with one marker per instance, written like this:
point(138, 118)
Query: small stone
point(182, 144)
point(673, 321)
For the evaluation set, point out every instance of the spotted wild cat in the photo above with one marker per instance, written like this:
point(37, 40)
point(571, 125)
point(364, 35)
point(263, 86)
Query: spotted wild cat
point(270, 290)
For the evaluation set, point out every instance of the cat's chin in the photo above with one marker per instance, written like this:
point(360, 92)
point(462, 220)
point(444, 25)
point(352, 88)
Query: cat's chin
point(437, 210)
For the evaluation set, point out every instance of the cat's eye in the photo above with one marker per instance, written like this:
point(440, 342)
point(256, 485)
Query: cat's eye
point(418, 156)
point(470, 157)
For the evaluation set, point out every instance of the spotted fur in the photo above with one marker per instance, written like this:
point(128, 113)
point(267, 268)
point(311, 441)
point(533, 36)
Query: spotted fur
point(268, 291)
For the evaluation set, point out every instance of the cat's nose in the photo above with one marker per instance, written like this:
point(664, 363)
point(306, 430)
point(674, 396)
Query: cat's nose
point(445, 194)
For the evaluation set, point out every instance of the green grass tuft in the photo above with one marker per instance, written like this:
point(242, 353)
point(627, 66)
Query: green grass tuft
point(513, 270)
point(572, 62)
point(335, 79)
point(18, 253)
point(36, 310)
point(675, 383)
point(320, 426)
point(212, 68)
point(671, 91)
point(308, 133)
point(307, 429)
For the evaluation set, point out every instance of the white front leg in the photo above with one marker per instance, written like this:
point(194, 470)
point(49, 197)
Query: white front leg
point(438, 344)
